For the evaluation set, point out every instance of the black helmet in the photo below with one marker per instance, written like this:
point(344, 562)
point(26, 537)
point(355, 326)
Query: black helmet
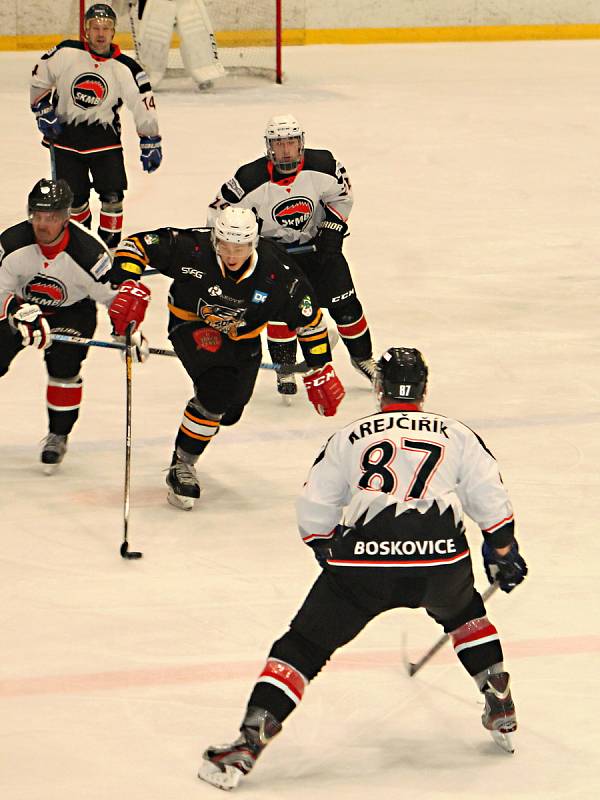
point(402, 374)
point(100, 11)
point(50, 196)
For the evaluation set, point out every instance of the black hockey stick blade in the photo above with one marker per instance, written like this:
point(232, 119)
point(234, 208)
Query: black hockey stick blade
point(125, 553)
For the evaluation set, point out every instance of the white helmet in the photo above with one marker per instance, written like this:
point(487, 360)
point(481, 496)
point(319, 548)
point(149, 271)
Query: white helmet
point(236, 225)
point(284, 126)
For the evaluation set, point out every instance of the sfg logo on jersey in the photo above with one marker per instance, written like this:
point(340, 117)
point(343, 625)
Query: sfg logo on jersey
point(88, 90)
point(295, 212)
point(45, 291)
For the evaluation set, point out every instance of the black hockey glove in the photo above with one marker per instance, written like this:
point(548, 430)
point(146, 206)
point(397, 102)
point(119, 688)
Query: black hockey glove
point(509, 570)
point(330, 237)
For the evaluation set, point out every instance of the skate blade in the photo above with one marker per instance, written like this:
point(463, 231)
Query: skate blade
point(286, 399)
point(212, 774)
point(50, 469)
point(503, 740)
point(179, 501)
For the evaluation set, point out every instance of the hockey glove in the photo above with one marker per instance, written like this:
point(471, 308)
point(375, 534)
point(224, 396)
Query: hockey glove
point(30, 323)
point(151, 152)
point(509, 570)
point(324, 389)
point(129, 305)
point(46, 119)
point(140, 351)
point(330, 237)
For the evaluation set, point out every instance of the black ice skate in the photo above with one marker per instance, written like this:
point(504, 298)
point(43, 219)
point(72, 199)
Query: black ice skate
point(54, 447)
point(366, 367)
point(286, 387)
point(499, 714)
point(183, 484)
point(224, 765)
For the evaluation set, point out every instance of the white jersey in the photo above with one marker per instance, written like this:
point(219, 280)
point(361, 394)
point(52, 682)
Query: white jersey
point(381, 471)
point(289, 209)
point(89, 92)
point(52, 278)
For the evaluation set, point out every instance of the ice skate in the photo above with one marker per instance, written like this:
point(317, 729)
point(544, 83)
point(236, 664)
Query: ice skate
point(224, 765)
point(54, 447)
point(286, 387)
point(183, 484)
point(366, 367)
point(499, 714)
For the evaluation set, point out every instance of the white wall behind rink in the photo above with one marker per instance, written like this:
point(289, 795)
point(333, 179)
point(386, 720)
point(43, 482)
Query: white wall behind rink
point(46, 17)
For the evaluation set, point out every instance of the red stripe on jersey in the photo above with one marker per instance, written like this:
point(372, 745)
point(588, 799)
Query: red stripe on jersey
point(438, 562)
point(354, 329)
point(64, 395)
point(82, 216)
point(497, 525)
point(111, 222)
point(472, 631)
point(278, 332)
point(281, 672)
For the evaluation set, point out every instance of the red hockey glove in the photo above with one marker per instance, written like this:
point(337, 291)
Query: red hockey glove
point(324, 390)
point(129, 306)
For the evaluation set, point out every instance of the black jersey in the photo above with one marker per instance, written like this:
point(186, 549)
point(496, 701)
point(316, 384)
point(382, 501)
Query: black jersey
point(268, 287)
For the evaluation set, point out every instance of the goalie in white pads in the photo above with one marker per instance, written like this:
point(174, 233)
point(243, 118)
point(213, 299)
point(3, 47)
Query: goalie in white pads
point(400, 478)
point(197, 45)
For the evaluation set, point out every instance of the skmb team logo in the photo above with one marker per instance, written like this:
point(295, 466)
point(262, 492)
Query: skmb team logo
point(45, 291)
point(295, 212)
point(88, 90)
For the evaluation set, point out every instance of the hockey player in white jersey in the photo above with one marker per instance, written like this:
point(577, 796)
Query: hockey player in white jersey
point(52, 274)
point(77, 90)
point(303, 196)
point(197, 43)
point(382, 509)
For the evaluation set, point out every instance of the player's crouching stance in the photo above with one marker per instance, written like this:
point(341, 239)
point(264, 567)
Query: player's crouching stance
point(52, 273)
point(402, 544)
point(227, 284)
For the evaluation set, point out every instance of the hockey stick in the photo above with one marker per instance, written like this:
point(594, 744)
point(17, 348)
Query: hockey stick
point(294, 250)
point(283, 369)
point(125, 552)
point(133, 33)
point(413, 667)
point(52, 162)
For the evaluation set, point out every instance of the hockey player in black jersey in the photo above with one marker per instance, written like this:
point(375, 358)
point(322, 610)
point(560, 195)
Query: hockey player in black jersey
point(400, 478)
point(303, 196)
point(77, 90)
point(52, 273)
point(227, 284)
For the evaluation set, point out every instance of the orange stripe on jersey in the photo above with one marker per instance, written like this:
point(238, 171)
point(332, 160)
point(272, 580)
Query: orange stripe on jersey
point(187, 432)
point(201, 420)
point(182, 313)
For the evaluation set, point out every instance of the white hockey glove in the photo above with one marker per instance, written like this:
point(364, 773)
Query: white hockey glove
point(140, 350)
point(29, 322)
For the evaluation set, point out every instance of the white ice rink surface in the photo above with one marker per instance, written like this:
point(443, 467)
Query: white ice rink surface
point(475, 237)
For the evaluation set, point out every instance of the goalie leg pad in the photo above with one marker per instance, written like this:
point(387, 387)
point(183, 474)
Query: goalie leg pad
point(198, 45)
point(156, 30)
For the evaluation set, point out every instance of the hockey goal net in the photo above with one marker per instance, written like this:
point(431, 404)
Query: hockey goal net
point(248, 35)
